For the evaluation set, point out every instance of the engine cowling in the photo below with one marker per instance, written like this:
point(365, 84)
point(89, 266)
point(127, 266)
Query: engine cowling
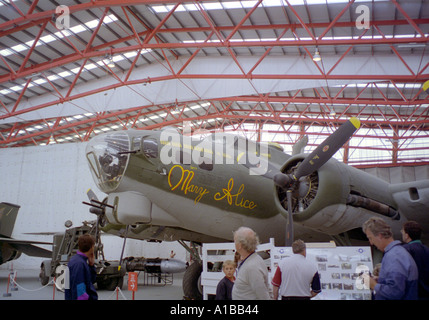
point(7, 253)
point(321, 200)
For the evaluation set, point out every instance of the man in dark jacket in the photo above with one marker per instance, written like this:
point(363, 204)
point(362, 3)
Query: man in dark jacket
point(82, 272)
point(398, 278)
point(411, 235)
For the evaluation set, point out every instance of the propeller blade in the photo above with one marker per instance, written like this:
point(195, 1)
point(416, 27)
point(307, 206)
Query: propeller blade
point(91, 195)
point(123, 247)
point(300, 145)
point(97, 209)
point(327, 148)
point(289, 224)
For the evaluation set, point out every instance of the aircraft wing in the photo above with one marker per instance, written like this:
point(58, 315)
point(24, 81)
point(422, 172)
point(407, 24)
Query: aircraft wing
point(28, 247)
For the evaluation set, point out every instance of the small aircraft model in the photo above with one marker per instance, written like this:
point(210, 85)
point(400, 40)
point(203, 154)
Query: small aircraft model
point(11, 249)
point(162, 185)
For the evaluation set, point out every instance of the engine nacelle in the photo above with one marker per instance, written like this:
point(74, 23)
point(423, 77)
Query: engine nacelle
point(7, 253)
point(322, 201)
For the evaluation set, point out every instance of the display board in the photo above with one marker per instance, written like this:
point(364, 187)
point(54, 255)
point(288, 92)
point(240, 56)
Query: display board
point(341, 270)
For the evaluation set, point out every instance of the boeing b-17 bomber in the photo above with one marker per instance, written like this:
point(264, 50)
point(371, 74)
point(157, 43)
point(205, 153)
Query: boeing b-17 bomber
point(165, 186)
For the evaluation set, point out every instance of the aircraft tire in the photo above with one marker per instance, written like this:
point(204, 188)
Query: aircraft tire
point(191, 284)
point(44, 279)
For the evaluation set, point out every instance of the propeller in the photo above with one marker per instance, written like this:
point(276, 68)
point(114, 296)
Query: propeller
point(99, 209)
point(291, 181)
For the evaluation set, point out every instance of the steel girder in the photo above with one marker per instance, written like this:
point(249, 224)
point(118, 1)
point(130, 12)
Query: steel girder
point(372, 109)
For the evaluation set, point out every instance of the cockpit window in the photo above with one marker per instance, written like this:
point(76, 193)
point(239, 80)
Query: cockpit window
point(150, 148)
point(136, 143)
point(108, 156)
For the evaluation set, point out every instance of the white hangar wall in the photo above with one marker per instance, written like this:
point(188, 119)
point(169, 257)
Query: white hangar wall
point(50, 183)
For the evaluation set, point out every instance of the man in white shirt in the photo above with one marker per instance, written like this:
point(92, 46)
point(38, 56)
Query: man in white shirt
point(296, 278)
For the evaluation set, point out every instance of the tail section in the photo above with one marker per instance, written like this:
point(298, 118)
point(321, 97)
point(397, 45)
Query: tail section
point(8, 214)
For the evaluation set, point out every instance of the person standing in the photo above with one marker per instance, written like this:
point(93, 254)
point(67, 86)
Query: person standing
point(224, 287)
point(398, 278)
point(252, 278)
point(411, 234)
point(82, 271)
point(296, 278)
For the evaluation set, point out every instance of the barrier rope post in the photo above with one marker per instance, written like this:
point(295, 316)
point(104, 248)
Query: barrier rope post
point(54, 286)
point(14, 286)
point(7, 294)
point(17, 285)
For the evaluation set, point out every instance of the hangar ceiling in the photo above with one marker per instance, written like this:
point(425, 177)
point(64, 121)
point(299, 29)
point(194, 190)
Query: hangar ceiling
point(70, 70)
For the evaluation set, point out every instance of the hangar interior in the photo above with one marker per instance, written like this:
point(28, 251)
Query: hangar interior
point(270, 70)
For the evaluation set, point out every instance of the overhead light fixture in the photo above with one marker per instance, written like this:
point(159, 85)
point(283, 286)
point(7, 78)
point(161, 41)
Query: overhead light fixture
point(108, 60)
point(111, 64)
point(317, 56)
point(426, 86)
point(51, 140)
point(412, 45)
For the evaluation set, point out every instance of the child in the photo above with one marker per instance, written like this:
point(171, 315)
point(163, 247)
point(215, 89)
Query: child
point(224, 287)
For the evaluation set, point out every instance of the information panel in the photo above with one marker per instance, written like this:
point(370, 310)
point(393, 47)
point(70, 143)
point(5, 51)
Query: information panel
point(341, 270)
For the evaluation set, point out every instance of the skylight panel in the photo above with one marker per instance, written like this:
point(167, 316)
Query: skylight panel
point(39, 81)
point(78, 29)
point(64, 74)
point(212, 6)
point(90, 66)
point(16, 88)
point(48, 38)
point(307, 38)
point(250, 4)
point(232, 5)
point(58, 35)
point(74, 71)
point(53, 77)
point(92, 24)
point(20, 47)
point(6, 52)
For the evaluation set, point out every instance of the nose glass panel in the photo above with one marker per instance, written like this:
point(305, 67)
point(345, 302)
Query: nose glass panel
point(106, 162)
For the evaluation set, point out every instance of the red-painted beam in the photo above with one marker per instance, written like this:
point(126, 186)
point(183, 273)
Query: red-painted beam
point(305, 119)
point(75, 57)
point(405, 78)
point(321, 100)
point(83, 7)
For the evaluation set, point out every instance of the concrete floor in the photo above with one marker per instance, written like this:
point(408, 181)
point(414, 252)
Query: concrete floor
point(29, 288)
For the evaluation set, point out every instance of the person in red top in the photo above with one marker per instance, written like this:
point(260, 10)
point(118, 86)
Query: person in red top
point(296, 278)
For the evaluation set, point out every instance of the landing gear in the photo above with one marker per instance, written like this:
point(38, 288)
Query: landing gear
point(192, 288)
point(110, 283)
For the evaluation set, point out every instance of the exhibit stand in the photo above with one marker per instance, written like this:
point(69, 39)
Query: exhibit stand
point(341, 269)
